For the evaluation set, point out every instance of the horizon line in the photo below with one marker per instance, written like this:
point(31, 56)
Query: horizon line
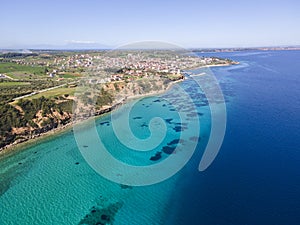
point(113, 48)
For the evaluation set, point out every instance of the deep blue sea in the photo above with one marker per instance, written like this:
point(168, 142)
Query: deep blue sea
point(255, 178)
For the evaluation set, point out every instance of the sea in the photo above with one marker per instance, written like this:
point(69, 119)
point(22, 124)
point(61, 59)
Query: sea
point(144, 166)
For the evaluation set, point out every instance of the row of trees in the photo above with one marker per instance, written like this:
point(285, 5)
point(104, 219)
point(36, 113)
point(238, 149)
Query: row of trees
point(17, 55)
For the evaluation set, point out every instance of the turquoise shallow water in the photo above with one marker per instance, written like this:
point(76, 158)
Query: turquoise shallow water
point(51, 183)
point(255, 178)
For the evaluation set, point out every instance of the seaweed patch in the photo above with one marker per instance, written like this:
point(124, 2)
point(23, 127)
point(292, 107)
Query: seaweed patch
point(156, 157)
point(168, 150)
point(98, 216)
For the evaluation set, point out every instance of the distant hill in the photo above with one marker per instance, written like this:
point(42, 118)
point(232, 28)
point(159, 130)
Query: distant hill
point(68, 46)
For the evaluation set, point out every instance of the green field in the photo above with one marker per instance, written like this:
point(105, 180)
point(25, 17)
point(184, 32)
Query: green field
point(54, 93)
point(70, 75)
point(13, 83)
point(14, 69)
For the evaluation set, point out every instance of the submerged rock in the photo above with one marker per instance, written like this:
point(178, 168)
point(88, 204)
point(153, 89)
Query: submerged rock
point(105, 123)
point(156, 157)
point(144, 125)
point(169, 121)
point(105, 217)
point(124, 186)
point(179, 128)
point(99, 215)
point(176, 141)
point(168, 150)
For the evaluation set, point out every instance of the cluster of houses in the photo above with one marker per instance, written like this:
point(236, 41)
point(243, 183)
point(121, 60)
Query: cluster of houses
point(131, 64)
point(116, 67)
point(73, 61)
point(143, 64)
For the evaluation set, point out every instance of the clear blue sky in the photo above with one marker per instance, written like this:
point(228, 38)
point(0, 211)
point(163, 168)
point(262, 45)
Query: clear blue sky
point(189, 23)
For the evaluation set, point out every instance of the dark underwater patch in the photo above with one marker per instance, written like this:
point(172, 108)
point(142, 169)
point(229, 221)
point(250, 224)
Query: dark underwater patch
point(124, 186)
point(99, 216)
point(168, 150)
point(179, 128)
point(168, 121)
point(156, 157)
point(105, 123)
point(144, 125)
point(175, 142)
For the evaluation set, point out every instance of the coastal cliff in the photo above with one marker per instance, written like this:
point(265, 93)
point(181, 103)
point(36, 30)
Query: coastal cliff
point(29, 119)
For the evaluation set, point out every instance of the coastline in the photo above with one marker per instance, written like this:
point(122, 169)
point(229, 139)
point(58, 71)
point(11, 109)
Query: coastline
point(28, 141)
point(32, 140)
point(217, 65)
point(19, 145)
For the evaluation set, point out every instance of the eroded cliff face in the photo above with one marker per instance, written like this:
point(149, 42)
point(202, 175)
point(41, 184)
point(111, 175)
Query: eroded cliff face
point(27, 119)
point(41, 123)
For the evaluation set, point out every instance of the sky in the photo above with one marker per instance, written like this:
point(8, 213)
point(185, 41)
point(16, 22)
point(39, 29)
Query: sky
point(187, 23)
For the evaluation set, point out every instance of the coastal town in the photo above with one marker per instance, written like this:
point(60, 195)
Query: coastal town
point(127, 63)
